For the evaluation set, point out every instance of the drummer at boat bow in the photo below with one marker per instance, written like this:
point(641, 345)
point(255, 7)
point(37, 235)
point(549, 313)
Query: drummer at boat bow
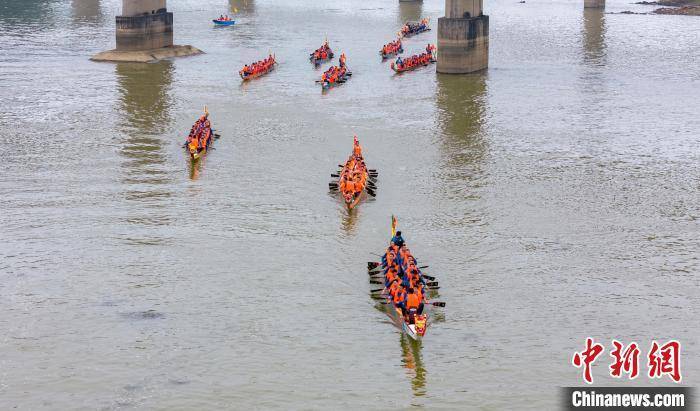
point(397, 239)
point(357, 149)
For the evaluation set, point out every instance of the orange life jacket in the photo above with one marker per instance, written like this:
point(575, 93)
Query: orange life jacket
point(350, 187)
point(391, 274)
point(393, 288)
point(398, 295)
point(412, 301)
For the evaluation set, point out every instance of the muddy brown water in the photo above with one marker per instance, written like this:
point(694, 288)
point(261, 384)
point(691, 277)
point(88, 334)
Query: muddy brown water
point(554, 197)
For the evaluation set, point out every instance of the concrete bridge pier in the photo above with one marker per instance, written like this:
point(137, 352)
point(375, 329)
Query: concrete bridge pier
point(463, 37)
point(144, 34)
point(144, 25)
point(594, 4)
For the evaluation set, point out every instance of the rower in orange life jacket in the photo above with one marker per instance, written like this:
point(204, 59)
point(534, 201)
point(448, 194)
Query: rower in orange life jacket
point(419, 292)
point(390, 257)
point(394, 287)
point(358, 185)
point(413, 301)
point(350, 187)
point(391, 276)
point(399, 296)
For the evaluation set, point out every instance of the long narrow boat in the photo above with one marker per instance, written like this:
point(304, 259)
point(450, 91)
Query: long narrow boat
point(414, 62)
point(200, 138)
point(323, 53)
point(334, 76)
point(268, 66)
point(412, 28)
point(329, 80)
point(413, 324)
point(396, 51)
point(354, 181)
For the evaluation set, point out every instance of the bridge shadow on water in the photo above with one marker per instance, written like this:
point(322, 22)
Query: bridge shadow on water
point(145, 101)
point(593, 37)
point(86, 10)
point(461, 105)
point(409, 11)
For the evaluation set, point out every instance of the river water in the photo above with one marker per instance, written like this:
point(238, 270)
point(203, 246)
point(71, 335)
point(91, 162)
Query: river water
point(555, 196)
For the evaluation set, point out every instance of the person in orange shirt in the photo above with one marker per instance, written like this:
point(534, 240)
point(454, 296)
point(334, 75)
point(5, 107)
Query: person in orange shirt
point(356, 147)
point(393, 287)
point(400, 297)
point(349, 187)
point(412, 301)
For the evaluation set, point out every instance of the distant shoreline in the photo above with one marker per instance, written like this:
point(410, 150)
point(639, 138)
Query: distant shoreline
point(675, 7)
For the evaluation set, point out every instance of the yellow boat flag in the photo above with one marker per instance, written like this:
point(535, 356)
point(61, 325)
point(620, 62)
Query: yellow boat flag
point(394, 222)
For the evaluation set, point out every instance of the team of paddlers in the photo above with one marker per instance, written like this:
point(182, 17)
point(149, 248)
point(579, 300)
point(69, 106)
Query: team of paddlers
point(322, 53)
point(258, 68)
point(403, 281)
point(412, 28)
point(404, 284)
point(395, 47)
point(224, 17)
point(353, 177)
point(335, 73)
point(414, 61)
point(200, 135)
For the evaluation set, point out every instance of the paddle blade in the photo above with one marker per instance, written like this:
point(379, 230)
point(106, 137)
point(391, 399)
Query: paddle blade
point(438, 304)
point(376, 290)
point(375, 282)
point(432, 284)
point(372, 264)
point(335, 175)
point(427, 277)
